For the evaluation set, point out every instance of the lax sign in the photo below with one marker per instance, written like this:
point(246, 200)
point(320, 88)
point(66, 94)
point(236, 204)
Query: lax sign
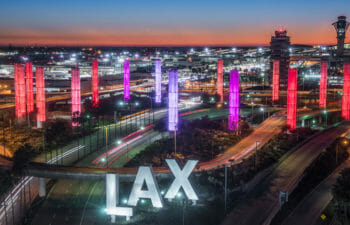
point(145, 175)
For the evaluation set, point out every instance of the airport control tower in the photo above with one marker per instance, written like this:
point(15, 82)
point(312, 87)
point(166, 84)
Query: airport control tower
point(280, 44)
point(341, 26)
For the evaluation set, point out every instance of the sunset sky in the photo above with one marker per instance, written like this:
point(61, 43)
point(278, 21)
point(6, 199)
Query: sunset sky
point(163, 22)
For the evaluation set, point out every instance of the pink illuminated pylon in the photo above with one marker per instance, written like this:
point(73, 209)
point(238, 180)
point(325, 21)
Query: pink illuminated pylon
point(345, 112)
point(40, 95)
point(219, 82)
point(95, 97)
point(323, 85)
point(29, 85)
point(292, 99)
point(76, 100)
point(20, 92)
point(275, 80)
point(233, 117)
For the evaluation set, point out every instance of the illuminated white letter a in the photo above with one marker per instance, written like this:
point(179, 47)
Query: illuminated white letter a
point(145, 174)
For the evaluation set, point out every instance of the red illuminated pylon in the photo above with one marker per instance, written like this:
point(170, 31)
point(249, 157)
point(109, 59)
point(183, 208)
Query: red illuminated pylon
point(219, 81)
point(40, 95)
point(76, 107)
point(95, 98)
point(323, 85)
point(275, 80)
point(29, 85)
point(346, 92)
point(292, 99)
point(20, 92)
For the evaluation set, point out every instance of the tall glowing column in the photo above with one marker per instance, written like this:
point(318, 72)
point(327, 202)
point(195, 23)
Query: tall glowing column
point(345, 111)
point(173, 100)
point(29, 85)
point(323, 85)
point(76, 107)
point(158, 86)
point(20, 92)
point(219, 81)
point(95, 97)
point(276, 80)
point(126, 81)
point(233, 107)
point(40, 96)
point(292, 99)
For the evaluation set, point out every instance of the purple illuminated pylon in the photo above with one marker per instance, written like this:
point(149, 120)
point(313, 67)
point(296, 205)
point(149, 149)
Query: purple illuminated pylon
point(173, 100)
point(233, 117)
point(126, 81)
point(158, 87)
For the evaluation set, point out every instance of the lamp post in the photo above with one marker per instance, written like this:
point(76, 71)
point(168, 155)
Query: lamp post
point(252, 103)
point(175, 140)
point(262, 110)
point(256, 154)
point(226, 165)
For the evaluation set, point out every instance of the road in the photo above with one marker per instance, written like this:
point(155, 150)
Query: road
point(67, 96)
point(107, 135)
point(309, 210)
point(259, 206)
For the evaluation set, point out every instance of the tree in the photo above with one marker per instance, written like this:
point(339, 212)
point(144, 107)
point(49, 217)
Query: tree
point(21, 159)
point(341, 194)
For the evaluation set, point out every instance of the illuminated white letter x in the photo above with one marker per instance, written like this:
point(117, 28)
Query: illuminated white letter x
point(181, 179)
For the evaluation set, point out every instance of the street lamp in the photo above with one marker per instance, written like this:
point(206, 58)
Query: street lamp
point(252, 103)
point(325, 113)
point(262, 110)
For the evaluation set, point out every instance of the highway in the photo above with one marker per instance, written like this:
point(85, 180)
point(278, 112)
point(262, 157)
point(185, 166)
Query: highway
point(309, 210)
point(259, 206)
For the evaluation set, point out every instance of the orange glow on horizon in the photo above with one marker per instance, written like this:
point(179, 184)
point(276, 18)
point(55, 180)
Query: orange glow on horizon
point(163, 37)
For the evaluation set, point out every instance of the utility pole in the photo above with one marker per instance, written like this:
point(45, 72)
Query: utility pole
point(175, 140)
point(106, 146)
point(256, 154)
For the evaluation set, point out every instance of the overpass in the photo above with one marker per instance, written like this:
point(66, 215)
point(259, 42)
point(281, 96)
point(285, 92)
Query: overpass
point(67, 96)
